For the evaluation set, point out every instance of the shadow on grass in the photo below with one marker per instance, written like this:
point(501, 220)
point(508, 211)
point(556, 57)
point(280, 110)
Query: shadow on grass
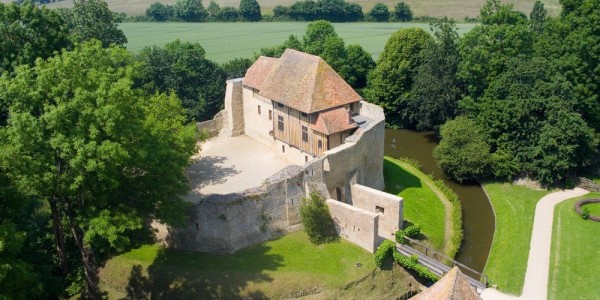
point(185, 275)
point(398, 179)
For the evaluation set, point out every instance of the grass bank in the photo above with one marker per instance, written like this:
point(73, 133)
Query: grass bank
point(427, 203)
point(514, 207)
point(287, 267)
point(575, 254)
point(226, 41)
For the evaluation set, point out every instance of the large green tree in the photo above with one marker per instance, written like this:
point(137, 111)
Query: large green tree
point(104, 155)
point(463, 152)
point(190, 10)
point(182, 67)
point(390, 83)
point(250, 10)
point(379, 13)
point(91, 19)
point(29, 32)
point(437, 88)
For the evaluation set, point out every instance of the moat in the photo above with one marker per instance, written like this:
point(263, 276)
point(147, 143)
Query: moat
point(478, 216)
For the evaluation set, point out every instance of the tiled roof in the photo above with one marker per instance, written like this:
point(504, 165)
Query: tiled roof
point(453, 286)
point(257, 73)
point(299, 80)
point(333, 121)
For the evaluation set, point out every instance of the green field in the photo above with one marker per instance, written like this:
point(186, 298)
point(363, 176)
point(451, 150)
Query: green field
point(421, 204)
point(226, 41)
point(281, 268)
point(575, 255)
point(514, 207)
point(458, 9)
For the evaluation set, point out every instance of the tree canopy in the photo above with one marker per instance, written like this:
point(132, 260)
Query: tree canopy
point(91, 19)
point(250, 10)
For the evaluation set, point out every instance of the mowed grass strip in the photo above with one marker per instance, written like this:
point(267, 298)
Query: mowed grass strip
point(575, 254)
point(274, 269)
point(226, 41)
point(421, 205)
point(514, 207)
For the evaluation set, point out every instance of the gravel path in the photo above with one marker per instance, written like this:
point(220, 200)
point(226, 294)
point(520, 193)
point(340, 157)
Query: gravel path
point(538, 264)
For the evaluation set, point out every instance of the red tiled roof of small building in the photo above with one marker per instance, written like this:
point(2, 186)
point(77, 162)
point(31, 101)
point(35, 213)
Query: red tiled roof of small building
point(301, 81)
point(453, 286)
point(333, 121)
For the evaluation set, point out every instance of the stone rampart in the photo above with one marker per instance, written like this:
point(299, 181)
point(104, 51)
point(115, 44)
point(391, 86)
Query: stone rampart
point(214, 126)
point(387, 206)
point(354, 224)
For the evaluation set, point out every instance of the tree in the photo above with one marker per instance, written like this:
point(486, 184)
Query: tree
point(228, 14)
point(159, 12)
point(334, 53)
point(236, 68)
point(183, 68)
point(213, 10)
point(437, 88)
point(104, 155)
point(402, 12)
point(91, 19)
point(250, 10)
point(462, 153)
point(361, 63)
point(316, 219)
point(28, 32)
point(190, 10)
point(317, 33)
point(390, 83)
point(494, 12)
point(379, 13)
point(537, 16)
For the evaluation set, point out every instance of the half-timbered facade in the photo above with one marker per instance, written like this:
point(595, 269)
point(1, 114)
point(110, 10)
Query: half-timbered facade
point(299, 101)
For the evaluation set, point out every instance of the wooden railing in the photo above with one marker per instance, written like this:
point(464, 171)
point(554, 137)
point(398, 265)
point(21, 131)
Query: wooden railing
point(446, 260)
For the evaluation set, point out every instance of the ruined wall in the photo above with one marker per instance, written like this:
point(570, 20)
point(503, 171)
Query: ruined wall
point(227, 223)
point(234, 109)
point(214, 126)
point(387, 206)
point(355, 225)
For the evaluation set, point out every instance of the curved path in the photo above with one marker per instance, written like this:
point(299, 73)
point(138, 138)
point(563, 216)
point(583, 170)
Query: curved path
point(538, 263)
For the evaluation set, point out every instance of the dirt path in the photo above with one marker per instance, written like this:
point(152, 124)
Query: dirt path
point(538, 263)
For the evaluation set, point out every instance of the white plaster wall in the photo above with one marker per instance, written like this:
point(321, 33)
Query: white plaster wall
point(355, 225)
point(257, 126)
point(292, 154)
point(368, 199)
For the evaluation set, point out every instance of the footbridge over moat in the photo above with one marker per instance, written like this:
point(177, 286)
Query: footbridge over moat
point(441, 264)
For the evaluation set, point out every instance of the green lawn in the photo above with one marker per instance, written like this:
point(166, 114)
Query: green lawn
point(575, 255)
point(421, 204)
point(514, 207)
point(275, 269)
point(226, 41)
point(593, 208)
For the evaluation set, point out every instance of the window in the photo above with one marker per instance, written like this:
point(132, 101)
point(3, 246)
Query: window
point(304, 115)
point(282, 149)
point(379, 209)
point(270, 115)
point(280, 123)
point(305, 134)
point(352, 106)
point(305, 158)
point(338, 193)
point(259, 109)
point(320, 144)
point(279, 105)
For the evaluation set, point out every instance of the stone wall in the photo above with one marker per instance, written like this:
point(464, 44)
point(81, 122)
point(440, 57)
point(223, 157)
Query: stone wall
point(387, 206)
point(355, 225)
point(227, 223)
point(587, 184)
point(234, 109)
point(214, 126)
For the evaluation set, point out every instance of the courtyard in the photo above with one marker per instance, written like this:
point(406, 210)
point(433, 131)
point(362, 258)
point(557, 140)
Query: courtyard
point(229, 165)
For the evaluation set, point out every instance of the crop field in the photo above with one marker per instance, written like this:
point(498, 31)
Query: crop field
point(226, 41)
point(457, 9)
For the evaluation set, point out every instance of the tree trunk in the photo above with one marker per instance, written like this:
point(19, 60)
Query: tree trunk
point(59, 237)
point(89, 265)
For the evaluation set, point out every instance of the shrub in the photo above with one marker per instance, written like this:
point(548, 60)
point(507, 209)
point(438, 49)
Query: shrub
point(399, 236)
point(317, 220)
point(411, 263)
point(412, 231)
point(383, 251)
point(585, 213)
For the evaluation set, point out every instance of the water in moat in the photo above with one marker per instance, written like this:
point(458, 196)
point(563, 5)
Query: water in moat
point(478, 217)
